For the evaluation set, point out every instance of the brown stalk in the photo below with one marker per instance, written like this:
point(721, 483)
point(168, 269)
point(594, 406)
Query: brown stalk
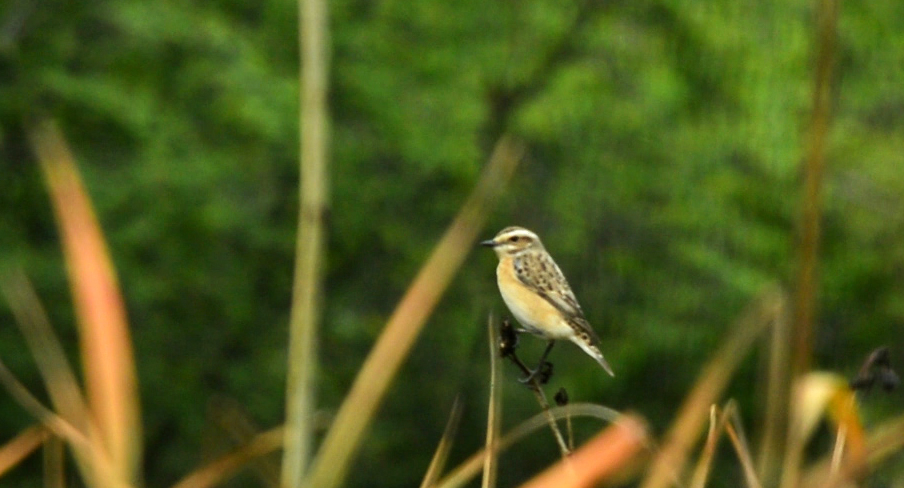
point(494, 410)
point(550, 419)
point(813, 168)
point(540, 396)
point(826, 12)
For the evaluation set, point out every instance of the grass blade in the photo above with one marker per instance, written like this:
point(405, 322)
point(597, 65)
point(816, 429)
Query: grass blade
point(74, 422)
point(438, 463)
point(774, 433)
point(704, 462)
point(53, 422)
point(601, 458)
point(65, 392)
point(232, 426)
point(669, 463)
point(106, 348)
point(223, 467)
point(19, 447)
point(735, 431)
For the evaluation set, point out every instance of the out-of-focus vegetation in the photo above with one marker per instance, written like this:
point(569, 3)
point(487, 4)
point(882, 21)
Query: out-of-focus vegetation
point(663, 141)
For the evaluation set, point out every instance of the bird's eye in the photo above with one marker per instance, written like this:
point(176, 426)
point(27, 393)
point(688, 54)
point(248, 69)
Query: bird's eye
point(514, 238)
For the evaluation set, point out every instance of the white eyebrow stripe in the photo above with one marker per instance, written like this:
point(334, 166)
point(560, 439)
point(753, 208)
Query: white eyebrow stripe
point(517, 232)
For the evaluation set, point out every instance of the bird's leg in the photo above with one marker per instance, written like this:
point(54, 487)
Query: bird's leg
point(541, 370)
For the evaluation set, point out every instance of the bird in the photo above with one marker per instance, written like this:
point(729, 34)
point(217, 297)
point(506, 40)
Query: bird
point(536, 292)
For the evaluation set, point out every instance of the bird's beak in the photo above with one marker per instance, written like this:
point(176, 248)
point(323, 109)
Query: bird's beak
point(489, 243)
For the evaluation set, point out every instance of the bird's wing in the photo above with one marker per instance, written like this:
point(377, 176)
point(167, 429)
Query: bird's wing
point(542, 275)
point(581, 324)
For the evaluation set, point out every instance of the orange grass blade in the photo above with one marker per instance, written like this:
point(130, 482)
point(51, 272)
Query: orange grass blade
point(104, 336)
point(603, 457)
point(233, 427)
point(463, 473)
point(681, 437)
point(19, 447)
point(331, 464)
point(220, 469)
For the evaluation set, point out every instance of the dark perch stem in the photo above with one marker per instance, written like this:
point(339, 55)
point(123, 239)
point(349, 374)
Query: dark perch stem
point(508, 342)
point(542, 372)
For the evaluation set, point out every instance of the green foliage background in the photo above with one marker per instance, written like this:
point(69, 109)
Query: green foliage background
point(664, 140)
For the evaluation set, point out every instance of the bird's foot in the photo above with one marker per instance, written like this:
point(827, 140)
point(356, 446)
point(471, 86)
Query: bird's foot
point(542, 374)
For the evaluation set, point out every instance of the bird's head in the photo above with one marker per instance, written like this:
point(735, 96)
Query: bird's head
point(512, 241)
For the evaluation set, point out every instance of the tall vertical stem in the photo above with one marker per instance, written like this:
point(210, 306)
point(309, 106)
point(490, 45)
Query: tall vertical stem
point(813, 164)
point(826, 12)
point(309, 244)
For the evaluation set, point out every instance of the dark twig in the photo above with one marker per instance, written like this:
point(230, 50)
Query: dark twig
point(508, 343)
point(877, 367)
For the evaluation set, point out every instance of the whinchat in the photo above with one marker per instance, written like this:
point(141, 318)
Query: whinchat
point(537, 293)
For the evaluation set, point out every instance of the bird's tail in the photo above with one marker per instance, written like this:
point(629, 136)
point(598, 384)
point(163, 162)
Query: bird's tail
point(595, 352)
